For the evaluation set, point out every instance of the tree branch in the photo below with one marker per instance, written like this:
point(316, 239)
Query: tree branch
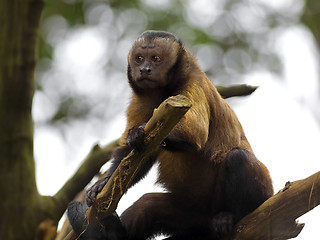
point(236, 90)
point(98, 157)
point(276, 217)
point(88, 169)
point(157, 129)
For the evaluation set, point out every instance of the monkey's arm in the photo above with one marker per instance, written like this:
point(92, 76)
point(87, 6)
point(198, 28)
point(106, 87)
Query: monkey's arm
point(191, 133)
point(134, 141)
point(93, 191)
point(176, 142)
point(76, 210)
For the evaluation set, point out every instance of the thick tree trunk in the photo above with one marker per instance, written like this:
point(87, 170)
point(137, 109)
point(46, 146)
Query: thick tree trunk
point(311, 18)
point(18, 34)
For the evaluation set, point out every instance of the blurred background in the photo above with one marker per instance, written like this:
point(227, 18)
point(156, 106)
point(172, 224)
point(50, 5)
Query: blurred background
point(82, 90)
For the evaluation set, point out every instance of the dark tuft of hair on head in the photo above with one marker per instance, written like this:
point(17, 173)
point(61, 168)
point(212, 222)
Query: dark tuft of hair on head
point(152, 34)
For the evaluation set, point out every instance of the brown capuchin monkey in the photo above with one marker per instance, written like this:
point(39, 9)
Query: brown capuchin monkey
point(212, 177)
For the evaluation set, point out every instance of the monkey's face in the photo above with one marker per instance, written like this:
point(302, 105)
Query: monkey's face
point(150, 62)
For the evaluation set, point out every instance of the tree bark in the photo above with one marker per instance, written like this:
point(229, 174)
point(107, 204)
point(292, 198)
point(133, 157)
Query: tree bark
point(99, 157)
point(311, 18)
point(18, 39)
point(236, 90)
point(157, 129)
point(88, 169)
point(276, 217)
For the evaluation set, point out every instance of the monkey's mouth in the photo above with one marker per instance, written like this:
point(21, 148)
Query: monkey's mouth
point(145, 79)
point(146, 82)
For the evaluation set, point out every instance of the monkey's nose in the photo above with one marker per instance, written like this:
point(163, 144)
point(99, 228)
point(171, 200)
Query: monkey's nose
point(145, 70)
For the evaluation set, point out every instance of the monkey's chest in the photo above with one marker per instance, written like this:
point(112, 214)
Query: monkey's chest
point(186, 174)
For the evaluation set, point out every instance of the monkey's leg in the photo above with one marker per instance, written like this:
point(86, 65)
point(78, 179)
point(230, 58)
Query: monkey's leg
point(247, 185)
point(157, 213)
point(109, 228)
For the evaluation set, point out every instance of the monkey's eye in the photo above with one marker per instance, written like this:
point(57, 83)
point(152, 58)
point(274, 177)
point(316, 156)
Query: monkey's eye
point(139, 59)
point(156, 58)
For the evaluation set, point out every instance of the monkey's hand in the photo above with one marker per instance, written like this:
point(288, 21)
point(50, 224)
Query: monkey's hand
point(109, 228)
point(135, 137)
point(93, 191)
point(222, 224)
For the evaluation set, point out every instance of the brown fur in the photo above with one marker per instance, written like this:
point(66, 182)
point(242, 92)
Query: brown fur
point(210, 171)
point(210, 125)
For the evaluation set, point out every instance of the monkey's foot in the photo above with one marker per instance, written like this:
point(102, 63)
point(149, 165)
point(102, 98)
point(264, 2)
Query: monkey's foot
point(222, 224)
point(109, 228)
point(93, 191)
